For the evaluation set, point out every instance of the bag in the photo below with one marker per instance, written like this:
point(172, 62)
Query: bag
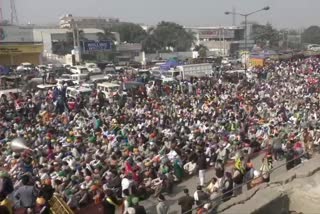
point(265, 170)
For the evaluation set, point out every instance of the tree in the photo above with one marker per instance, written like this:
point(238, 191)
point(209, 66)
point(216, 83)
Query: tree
point(107, 35)
point(311, 35)
point(130, 33)
point(168, 36)
point(63, 47)
point(265, 35)
point(202, 50)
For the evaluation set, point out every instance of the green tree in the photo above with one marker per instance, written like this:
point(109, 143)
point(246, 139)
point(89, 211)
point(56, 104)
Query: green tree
point(202, 50)
point(107, 35)
point(311, 35)
point(168, 35)
point(63, 47)
point(265, 35)
point(130, 33)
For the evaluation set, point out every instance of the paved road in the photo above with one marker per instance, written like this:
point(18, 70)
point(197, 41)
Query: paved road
point(192, 184)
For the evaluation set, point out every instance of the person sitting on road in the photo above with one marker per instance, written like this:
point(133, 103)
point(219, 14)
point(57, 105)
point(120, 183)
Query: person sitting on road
point(200, 196)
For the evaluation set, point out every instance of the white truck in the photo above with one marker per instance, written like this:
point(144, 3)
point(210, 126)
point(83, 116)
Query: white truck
point(195, 70)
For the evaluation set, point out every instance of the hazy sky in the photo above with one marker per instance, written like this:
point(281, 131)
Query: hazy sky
point(283, 13)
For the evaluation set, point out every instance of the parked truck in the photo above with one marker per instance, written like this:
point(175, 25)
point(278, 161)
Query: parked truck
point(195, 70)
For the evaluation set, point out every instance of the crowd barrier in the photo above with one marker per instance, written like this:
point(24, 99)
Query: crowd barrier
point(59, 206)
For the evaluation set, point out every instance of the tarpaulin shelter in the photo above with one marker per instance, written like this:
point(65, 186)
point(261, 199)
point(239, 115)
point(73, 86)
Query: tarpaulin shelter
point(171, 63)
point(4, 70)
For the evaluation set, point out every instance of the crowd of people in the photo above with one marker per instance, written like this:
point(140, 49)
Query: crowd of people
point(118, 151)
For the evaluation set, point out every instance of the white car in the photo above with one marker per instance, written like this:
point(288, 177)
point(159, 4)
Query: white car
point(25, 66)
point(93, 68)
point(42, 68)
point(78, 90)
point(79, 70)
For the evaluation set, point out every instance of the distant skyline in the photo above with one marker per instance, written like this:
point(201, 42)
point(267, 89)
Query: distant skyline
point(283, 13)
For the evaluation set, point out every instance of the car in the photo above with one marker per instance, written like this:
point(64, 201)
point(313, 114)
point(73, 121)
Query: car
point(93, 68)
point(42, 68)
point(67, 66)
point(75, 91)
point(79, 78)
point(79, 70)
point(69, 82)
point(108, 89)
point(25, 66)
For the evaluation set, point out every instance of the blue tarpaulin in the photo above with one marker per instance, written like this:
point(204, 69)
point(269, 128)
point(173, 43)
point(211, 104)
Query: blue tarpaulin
point(4, 70)
point(169, 64)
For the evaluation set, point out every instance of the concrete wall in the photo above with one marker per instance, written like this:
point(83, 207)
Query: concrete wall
point(166, 56)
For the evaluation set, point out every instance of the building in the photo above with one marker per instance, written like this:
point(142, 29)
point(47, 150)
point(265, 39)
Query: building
point(221, 40)
point(18, 45)
point(87, 22)
point(128, 51)
point(54, 36)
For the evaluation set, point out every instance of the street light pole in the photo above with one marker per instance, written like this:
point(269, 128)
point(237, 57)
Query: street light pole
point(245, 41)
point(246, 28)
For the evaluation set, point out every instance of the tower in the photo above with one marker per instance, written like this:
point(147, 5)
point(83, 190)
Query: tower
point(14, 15)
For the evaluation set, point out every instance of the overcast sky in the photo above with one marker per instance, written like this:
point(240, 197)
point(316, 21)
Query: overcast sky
point(283, 13)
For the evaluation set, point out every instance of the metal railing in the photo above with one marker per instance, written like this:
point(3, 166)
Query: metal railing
point(59, 206)
point(218, 199)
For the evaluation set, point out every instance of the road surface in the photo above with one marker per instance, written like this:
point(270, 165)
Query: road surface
point(192, 183)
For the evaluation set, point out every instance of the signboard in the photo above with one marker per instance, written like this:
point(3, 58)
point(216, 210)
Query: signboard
point(19, 49)
point(93, 46)
point(257, 62)
point(16, 34)
point(216, 34)
point(2, 34)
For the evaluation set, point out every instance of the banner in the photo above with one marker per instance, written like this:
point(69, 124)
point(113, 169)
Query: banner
point(216, 33)
point(257, 62)
point(20, 49)
point(93, 46)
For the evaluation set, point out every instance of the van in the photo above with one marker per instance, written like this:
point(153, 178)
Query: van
point(75, 91)
point(108, 89)
point(79, 78)
point(164, 76)
point(79, 70)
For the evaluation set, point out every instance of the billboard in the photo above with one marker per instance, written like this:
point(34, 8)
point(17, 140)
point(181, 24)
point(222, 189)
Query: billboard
point(20, 49)
point(16, 34)
point(93, 46)
point(216, 34)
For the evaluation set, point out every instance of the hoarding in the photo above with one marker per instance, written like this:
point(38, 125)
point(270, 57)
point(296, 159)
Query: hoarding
point(20, 49)
point(216, 34)
point(93, 46)
point(16, 34)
